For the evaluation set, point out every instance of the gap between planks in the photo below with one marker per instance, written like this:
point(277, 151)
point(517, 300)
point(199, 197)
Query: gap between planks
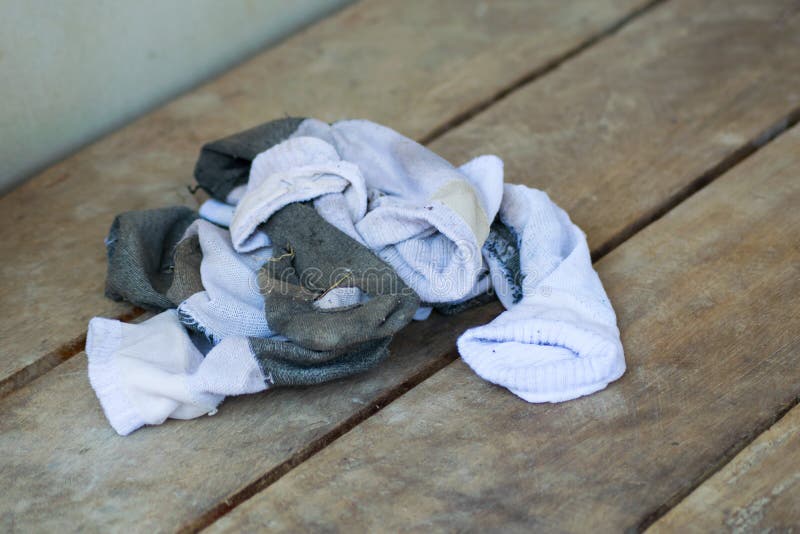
point(698, 171)
point(389, 396)
point(713, 468)
point(535, 74)
point(78, 344)
point(54, 358)
point(718, 459)
point(742, 153)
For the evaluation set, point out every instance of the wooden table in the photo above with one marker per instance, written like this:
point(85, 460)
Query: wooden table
point(665, 128)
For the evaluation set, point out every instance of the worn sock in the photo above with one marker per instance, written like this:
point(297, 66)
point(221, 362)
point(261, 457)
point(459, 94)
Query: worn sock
point(186, 278)
point(148, 372)
point(138, 371)
point(140, 247)
point(558, 339)
point(426, 218)
point(287, 364)
point(219, 213)
point(230, 303)
point(296, 170)
point(309, 259)
point(224, 164)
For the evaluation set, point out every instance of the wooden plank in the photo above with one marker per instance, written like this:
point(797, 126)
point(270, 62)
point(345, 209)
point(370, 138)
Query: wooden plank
point(758, 491)
point(252, 443)
point(414, 65)
point(650, 114)
point(708, 300)
point(65, 469)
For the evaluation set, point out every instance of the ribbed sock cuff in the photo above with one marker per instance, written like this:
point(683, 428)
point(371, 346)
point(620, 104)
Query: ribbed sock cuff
point(527, 357)
point(103, 339)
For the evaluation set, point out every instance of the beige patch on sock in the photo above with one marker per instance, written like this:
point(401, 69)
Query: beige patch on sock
point(461, 198)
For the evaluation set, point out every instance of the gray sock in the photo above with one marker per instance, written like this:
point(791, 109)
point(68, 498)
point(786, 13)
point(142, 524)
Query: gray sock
point(311, 257)
point(287, 364)
point(225, 163)
point(186, 279)
point(140, 247)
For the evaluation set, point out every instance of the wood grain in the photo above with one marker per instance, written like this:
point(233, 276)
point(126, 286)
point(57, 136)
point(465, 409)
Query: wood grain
point(82, 475)
point(65, 470)
point(708, 301)
point(758, 491)
point(413, 65)
point(635, 123)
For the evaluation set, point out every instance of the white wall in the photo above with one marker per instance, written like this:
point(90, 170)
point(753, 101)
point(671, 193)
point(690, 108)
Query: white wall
point(72, 70)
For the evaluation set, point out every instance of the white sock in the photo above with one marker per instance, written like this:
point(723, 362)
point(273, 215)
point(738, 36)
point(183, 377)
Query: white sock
point(138, 371)
point(236, 195)
point(426, 218)
point(231, 304)
point(422, 313)
point(296, 170)
point(558, 340)
point(148, 372)
point(217, 212)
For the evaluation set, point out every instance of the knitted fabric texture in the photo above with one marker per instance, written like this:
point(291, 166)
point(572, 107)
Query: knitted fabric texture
point(501, 249)
point(186, 279)
point(300, 169)
point(219, 213)
point(425, 218)
point(230, 303)
point(140, 247)
point(145, 373)
point(225, 164)
point(139, 371)
point(311, 258)
point(558, 339)
point(287, 364)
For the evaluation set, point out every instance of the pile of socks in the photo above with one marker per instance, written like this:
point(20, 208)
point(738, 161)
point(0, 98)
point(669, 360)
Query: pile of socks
point(319, 243)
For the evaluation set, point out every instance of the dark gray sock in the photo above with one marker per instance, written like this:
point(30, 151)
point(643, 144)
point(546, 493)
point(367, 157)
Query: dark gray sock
point(225, 163)
point(310, 257)
point(287, 364)
point(140, 247)
point(186, 279)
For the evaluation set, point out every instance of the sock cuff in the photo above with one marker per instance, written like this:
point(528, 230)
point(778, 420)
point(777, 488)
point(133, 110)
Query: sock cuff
point(103, 339)
point(528, 356)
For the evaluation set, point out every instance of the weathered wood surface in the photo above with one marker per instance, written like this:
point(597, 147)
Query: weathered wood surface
point(93, 478)
point(708, 300)
point(758, 491)
point(64, 469)
point(414, 65)
point(647, 114)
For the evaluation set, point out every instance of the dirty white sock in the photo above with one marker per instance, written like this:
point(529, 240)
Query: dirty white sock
point(231, 304)
point(217, 212)
point(236, 195)
point(426, 218)
point(558, 339)
point(148, 372)
point(297, 170)
point(132, 368)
